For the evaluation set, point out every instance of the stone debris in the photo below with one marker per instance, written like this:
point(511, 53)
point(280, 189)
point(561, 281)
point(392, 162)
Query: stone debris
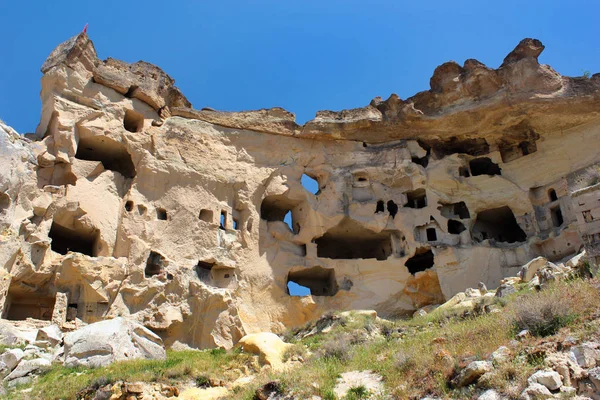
point(368, 380)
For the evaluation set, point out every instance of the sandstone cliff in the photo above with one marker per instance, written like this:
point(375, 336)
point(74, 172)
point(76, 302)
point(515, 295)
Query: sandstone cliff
point(128, 202)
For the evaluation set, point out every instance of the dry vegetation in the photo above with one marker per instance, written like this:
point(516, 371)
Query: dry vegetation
point(416, 357)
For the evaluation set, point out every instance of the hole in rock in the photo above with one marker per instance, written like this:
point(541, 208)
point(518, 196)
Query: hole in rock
point(557, 217)
point(133, 121)
point(455, 210)
point(310, 184)
point(499, 224)
point(236, 224)
point(484, 166)
point(350, 240)
point(131, 91)
point(422, 161)
point(416, 199)
point(431, 234)
point(320, 281)
point(223, 220)
point(161, 214)
point(552, 195)
point(392, 208)
point(72, 311)
point(113, 155)
point(473, 147)
point(380, 207)
point(455, 227)
point(464, 171)
point(21, 304)
point(277, 208)
point(203, 269)
point(142, 209)
point(422, 260)
point(4, 201)
point(297, 290)
point(154, 265)
point(78, 241)
point(206, 215)
point(512, 151)
point(129, 205)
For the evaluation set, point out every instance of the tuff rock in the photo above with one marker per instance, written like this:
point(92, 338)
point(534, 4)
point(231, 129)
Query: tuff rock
point(127, 202)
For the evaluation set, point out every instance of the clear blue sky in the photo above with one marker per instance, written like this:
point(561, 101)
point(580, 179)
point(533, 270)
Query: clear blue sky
point(301, 55)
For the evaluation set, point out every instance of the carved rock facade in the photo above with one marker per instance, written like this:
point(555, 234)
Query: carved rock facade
point(128, 202)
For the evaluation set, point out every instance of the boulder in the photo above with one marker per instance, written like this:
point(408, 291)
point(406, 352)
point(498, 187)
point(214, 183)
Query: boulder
point(549, 378)
point(586, 355)
point(490, 394)
point(505, 289)
point(51, 334)
point(11, 358)
point(367, 379)
point(268, 346)
point(535, 391)
point(529, 270)
point(500, 355)
point(472, 372)
point(28, 367)
point(105, 342)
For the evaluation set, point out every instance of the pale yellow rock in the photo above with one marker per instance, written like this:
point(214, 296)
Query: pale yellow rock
point(268, 346)
point(212, 393)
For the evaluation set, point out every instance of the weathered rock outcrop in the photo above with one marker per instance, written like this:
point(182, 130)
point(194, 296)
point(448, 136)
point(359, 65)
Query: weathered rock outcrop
point(128, 202)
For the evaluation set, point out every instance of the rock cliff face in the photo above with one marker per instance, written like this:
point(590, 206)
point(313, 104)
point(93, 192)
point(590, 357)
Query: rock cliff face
point(128, 202)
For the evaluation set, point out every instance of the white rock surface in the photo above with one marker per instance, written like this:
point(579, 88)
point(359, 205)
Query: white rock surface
point(11, 358)
point(105, 342)
point(549, 378)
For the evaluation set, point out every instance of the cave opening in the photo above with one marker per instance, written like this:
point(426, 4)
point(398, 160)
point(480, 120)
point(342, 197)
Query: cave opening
point(484, 166)
point(311, 184)
point(473, 147)
point(133, 121)
point(128, 205)
point(161, 214)
point(422, 260)
point(392, 208)
point(277, 208)
point(321, 281)
point(455, 227)
point(23, 305)
point(455, 210)
point(431, 234)
point(155, 264)
point(206, 215)
point(557, 217)
point(79, 241)
point(499, 224)
point(552, 195)
point(350, 240)
point(380, 207)
point(113, 155)
point(416, 199)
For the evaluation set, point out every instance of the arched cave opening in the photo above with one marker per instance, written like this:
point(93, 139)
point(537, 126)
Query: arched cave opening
point(206, 215)
point(79, 241)
point(155, 264)
point(294, 289)
point(23, 302)
point(455, 227)
point(350, 240)
point(380, 207)
point(422, 260)
point(416, 199)
point(4, 201)
point(321, 281)
point(499, 224)
point(455, 210)
point(473, 147)
point(484, 166)
point(133, 121)
point(113, 155)
point(277, 208)
point(392, 208)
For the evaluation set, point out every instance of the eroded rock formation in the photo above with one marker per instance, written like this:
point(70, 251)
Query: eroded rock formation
point(128, 202)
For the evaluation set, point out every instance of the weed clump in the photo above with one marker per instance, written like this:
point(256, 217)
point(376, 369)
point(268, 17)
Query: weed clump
point(543, 315)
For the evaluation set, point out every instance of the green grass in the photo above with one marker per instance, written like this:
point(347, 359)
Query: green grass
point(415, 357)
point(64, 383)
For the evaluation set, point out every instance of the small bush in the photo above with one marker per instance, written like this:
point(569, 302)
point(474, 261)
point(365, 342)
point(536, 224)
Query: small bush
point(202, 381)
point(357, 393)
point(337, 347)
point(543, 315)
point(296, 350)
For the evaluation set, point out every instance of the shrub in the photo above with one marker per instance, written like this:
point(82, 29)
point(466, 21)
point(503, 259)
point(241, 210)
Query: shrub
point(543, 314)
point(357, 393)
point(297, 349)
point(202, 381)
point(337, 347)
